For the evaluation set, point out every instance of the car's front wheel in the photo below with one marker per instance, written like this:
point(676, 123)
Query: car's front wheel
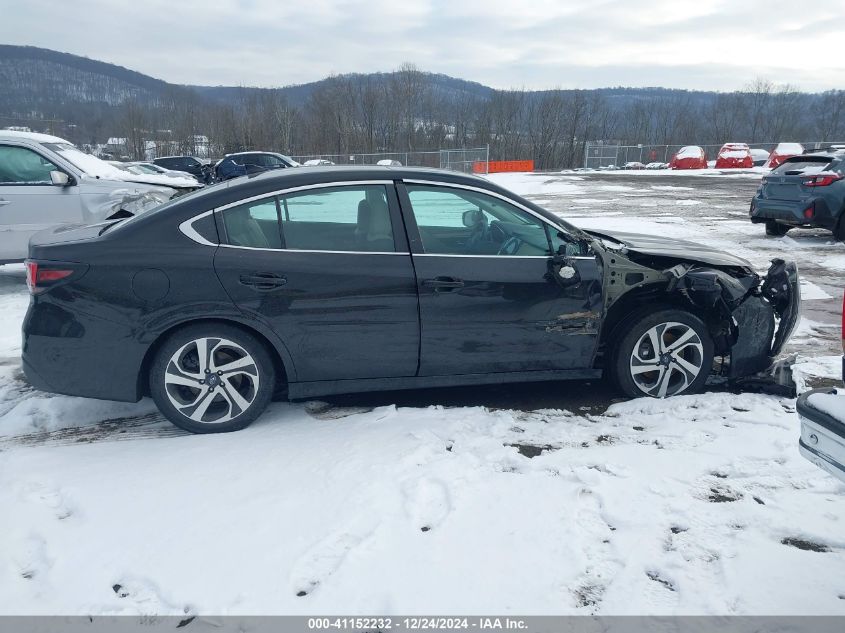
point(212, 378)
point(665, 353)
point(776, 229)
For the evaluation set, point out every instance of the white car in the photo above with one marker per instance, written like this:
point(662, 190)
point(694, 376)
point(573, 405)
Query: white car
point(317, 162)
point(45, 181)
point(822, 415)
point(389, 162)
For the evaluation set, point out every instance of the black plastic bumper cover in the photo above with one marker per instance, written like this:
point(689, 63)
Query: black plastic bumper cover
point(757, 340)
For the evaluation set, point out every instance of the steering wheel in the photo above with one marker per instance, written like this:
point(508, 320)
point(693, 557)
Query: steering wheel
point(510, 247)
point(498, 234)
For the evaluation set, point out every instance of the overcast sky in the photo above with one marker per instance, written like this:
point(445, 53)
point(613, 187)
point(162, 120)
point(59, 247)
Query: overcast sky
point(698, 44)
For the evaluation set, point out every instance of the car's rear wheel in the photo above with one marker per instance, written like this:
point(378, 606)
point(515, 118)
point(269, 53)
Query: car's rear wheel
point(665, 353)
point(212, 378)
point(776, 229)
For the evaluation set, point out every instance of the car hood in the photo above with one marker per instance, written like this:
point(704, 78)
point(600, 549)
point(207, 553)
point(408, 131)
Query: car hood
point(671, 247)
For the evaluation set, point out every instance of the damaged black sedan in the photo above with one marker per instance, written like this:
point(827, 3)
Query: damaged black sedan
point(325, 281)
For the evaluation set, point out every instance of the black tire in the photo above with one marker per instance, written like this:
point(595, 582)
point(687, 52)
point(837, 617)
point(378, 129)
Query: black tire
point(696, 350)
point(839, 231)
point(776, 229)
point(250, 381)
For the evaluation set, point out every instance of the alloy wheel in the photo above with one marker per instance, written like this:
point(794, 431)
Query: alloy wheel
point(211, 380)
point(666, 359)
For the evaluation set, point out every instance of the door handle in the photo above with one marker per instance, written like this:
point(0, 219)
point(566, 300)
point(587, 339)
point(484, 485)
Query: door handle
point(3, 203)
point(263, 282)
point(443, 283)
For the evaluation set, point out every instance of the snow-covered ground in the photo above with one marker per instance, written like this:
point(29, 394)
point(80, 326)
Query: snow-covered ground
point(540, 503)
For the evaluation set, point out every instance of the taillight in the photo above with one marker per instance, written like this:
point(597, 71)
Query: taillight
point(40, 276)
point(822, 179)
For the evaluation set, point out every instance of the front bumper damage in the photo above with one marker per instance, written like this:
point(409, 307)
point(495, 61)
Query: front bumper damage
point(753, 317)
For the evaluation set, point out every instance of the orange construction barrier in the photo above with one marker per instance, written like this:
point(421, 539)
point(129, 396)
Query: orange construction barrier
point(497, 166)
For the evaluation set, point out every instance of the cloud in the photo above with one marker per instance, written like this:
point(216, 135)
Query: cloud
point(707, 44)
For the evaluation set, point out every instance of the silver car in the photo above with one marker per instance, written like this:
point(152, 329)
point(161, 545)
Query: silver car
point(46, 181)
point(822, 414)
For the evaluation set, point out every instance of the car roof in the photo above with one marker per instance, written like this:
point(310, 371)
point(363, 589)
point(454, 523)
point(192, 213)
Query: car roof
point(174, 156)
point(326, 173)
point(255, 151)
point(14, 135)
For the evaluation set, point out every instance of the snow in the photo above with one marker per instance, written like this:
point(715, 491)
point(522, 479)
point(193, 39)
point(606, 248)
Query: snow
point(395, 504)
point(96, 168)
point(789, 149)
point(690, 151)
point(734, 153)
point(831, 403)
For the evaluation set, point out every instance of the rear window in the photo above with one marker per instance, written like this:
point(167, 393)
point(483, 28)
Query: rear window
point(803, 165)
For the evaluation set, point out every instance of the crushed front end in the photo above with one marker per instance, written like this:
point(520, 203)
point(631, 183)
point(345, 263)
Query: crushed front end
point(750, 316)
point(756, 315)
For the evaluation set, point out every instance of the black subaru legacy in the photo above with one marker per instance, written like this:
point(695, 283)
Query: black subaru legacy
point(349, 279)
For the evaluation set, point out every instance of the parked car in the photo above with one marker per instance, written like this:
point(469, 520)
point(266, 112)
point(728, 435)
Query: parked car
point(190, 164)
point(734, 156)
point(759, 156)
point(388, 162)
point(152, 168)
point(806, 190)
point(349, 279)
point(45, 182)
point(180, 181)
point(689, 157)
point(783, 151)
point(317, 162)
point(822, 415)
point(246, 163)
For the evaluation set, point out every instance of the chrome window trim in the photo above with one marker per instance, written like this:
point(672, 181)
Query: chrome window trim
point(493, 194)
point(591, 257)
point(303, 250)
point(545, 221)
point(187, 229)
point(320, 185)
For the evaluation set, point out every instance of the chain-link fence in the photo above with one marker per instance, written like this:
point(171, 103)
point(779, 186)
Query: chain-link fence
point(599, 154)
point(454, 159)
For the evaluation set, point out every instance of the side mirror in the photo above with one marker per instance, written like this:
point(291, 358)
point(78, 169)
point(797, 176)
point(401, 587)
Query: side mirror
point(59, 178)
point(473, 217)
point(561, 270)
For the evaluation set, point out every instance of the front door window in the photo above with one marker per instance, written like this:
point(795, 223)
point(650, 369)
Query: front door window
point(462, 222)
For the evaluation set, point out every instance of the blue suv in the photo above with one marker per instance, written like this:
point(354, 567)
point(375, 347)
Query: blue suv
point(806, 190)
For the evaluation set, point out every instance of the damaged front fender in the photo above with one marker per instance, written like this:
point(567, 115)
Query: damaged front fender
point(110, 203)
point(750, 317)
point(758, 318)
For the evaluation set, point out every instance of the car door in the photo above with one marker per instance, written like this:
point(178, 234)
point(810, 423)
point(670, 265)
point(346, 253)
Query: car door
point(29, 202)
point(489, 299)
point(328, 268)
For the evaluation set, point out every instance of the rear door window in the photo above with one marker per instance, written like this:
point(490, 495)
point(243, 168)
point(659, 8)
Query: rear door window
point(253, 225)
point(344, 218)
